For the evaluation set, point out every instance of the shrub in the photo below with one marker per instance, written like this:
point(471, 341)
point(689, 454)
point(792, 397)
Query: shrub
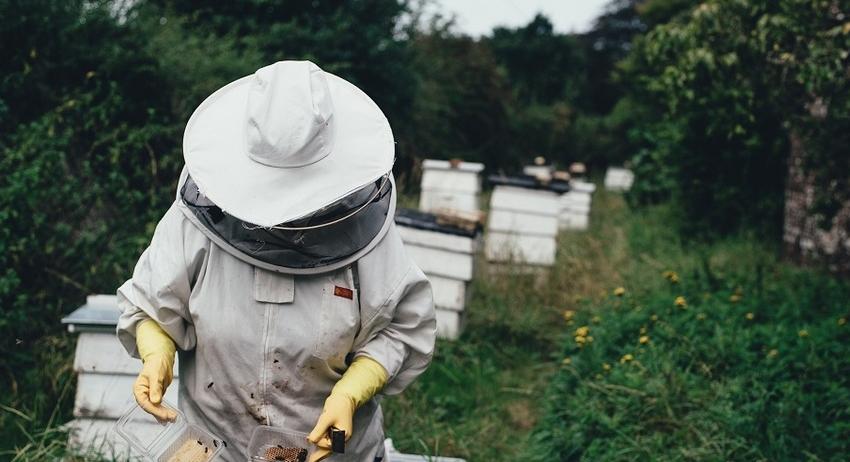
point(721, 87)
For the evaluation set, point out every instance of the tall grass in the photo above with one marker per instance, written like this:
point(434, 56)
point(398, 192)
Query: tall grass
point(710, 352)
point(483, 393)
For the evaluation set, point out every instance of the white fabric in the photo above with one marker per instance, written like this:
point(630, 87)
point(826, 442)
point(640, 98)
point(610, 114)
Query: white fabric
point(290, 115)
point(284, 142)
point(262, 347)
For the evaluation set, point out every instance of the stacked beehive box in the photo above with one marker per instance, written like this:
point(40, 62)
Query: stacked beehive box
point(523, 221)
point(446, 254)
point(543, 172)
point(451, 185)
point(105, 378)
point(575, 210)
point(619, 179)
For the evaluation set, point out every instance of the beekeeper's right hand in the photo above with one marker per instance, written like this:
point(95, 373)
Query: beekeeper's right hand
point(157, 352)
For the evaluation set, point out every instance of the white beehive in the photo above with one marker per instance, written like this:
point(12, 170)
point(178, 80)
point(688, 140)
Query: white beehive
point(105, 378)
point(619, 179)
point(392, 455)
point(450, 185)
point(522, 226)
point(575, 210)
point(446, 254)
point(582, 186)
point(543, 172)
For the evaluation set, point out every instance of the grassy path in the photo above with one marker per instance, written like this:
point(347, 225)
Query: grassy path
point(482, 395)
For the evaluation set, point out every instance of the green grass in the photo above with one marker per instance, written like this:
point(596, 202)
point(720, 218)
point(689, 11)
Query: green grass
point(706, 386)
point(483, 394)
point(753, 364)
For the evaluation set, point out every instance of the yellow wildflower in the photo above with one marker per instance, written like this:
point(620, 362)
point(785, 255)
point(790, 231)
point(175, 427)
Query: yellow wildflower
point(606, 367)
point(626, 358)
point(566, 361)
point(671, 276)
point(654, 317)
point(681, 302)
point(842, 321)
point(735, 298)
point(750, 316)
point(643, 330)
point(644, 339)
point(582, 331)
point(596, 320)
point(580, 340)
point(589, 339)
point(803, 333)
point(568, 314)
point(773, 353)
point(619, 291)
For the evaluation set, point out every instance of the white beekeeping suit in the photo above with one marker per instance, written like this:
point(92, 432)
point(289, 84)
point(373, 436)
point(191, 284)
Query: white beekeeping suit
point(267, 318)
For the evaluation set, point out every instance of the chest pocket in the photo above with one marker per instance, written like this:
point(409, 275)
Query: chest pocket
point(271, 287)
point(339, 320)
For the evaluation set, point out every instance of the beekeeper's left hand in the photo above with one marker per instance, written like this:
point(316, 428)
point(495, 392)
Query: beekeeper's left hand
point(360, 382)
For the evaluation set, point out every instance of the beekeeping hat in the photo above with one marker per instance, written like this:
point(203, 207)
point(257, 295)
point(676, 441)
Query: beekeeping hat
point(284, 142)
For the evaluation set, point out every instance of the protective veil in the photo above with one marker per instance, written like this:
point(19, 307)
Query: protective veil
point(323, 240)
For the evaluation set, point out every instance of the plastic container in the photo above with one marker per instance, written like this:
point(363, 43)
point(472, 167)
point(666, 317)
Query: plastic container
point(270, 444)
point(177, 441)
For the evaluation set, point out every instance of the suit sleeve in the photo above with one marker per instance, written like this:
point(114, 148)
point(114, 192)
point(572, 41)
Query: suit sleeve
point(399, 329)
point(162, 283)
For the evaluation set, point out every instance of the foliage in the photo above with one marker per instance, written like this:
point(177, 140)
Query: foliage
point(464, 105)
point(709, 353)
point(725, 83)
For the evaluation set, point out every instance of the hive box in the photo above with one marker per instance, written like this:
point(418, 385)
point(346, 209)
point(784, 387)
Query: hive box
point(450, 185)
point(618, 179)
point(523, 224)
point(575, 210)
point(446, 254)
point(538, 171)
point(105, 376)
point(582, 186)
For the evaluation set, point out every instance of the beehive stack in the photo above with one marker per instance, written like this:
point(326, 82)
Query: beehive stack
point(575, 210)
point(523, 221)
point(446, 254)
point(541, 172)
point(451, 185)
point(105, 378)
point(619, 179)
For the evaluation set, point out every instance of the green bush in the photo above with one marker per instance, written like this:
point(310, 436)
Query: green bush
point(719, 353)
point(722, 88)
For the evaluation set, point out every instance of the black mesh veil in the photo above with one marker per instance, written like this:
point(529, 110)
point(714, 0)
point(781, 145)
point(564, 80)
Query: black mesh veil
point(327, 236)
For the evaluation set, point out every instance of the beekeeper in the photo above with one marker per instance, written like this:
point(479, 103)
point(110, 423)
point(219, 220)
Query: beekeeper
point(277, 274)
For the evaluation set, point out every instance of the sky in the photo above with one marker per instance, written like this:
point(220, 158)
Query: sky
point(478, 17)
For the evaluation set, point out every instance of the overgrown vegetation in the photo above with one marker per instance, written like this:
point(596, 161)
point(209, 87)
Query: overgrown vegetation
point(723, 86)
point(708, 352)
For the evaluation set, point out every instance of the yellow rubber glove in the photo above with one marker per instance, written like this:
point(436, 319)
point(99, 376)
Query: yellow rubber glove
point(364, 378)
point(157, 352)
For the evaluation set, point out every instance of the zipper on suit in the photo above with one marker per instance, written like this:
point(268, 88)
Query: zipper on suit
point(264, 370)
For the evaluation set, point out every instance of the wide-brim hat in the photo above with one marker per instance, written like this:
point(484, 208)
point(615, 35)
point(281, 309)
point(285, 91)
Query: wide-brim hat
point(284, 142)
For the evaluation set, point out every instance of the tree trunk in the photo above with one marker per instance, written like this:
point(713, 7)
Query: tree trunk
point(806, 241)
